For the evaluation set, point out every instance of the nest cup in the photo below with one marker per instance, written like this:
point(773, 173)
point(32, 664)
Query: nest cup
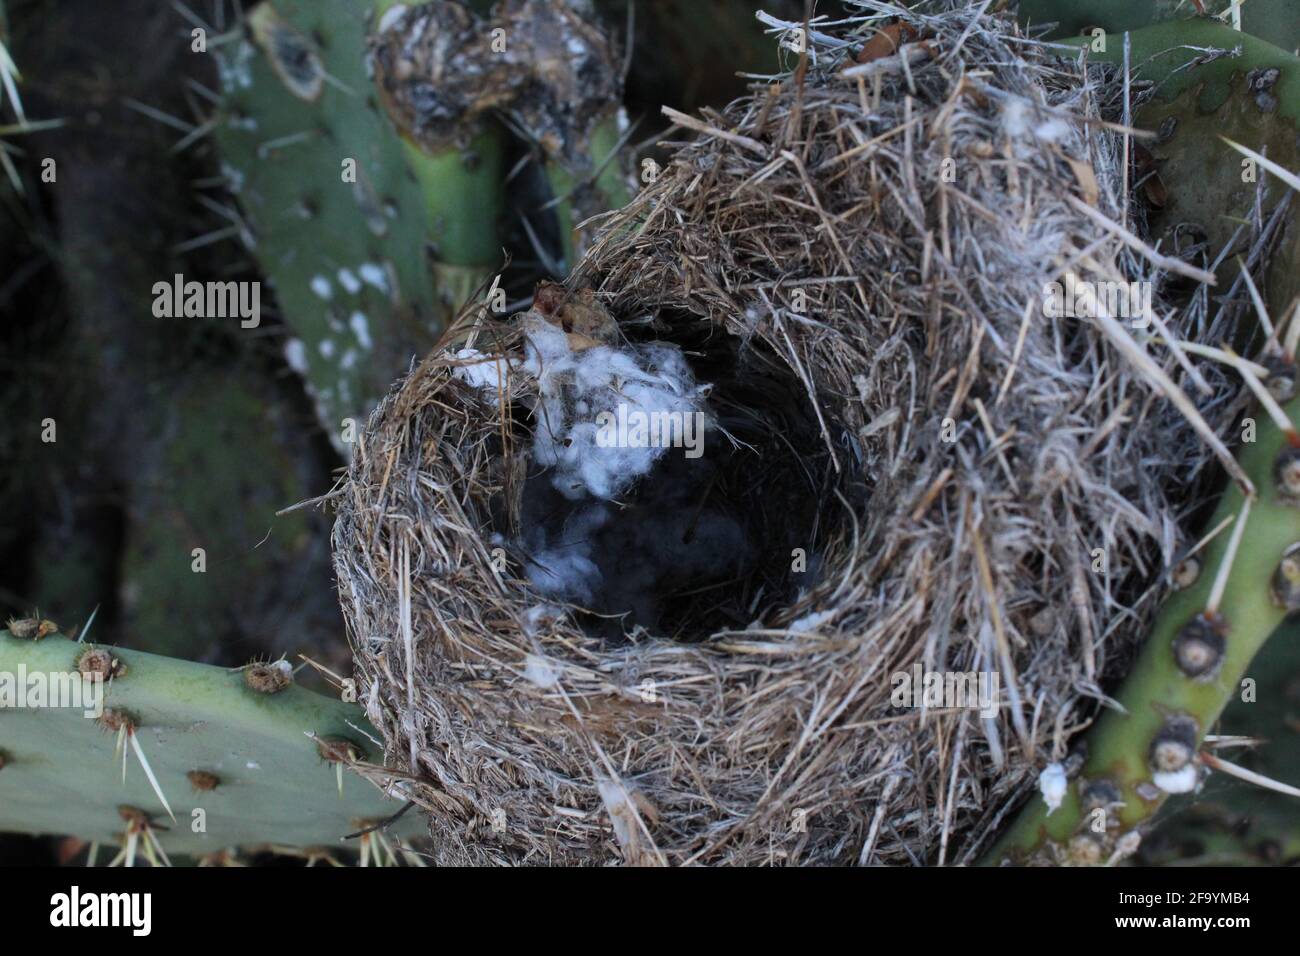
point(857, 259)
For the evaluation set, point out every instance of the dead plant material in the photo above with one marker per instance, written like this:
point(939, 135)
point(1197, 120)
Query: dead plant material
point(440, 69)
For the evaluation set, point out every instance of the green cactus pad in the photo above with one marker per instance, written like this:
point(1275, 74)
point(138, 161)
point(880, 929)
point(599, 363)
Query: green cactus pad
point(1232, 822)
point(1274, 20)
point(347, 260)
point(273, 786)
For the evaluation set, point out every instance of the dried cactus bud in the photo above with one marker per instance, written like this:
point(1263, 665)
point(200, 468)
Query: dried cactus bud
point(585, 321)
point(1085, 850)
point(202, 780)
point(1285, 587)
point(115, 719)
point(1100, 794)
point(292, 54)
point(98, 661)
point(23, 628)
point(1199, 646)
point(1286, 475)
point(269, 678)
point(1185, 573)
point(134, 816)
point(338, 749)
point(436, 73)
point(1174, 745)
point(1281, 377)
point(566, 72)
point(32, 628)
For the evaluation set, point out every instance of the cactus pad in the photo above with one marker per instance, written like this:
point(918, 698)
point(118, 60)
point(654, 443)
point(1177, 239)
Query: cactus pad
point(256, 764)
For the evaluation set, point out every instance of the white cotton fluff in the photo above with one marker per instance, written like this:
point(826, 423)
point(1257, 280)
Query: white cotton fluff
point(541, 672)
point(1053, 784)
point(1015, 117)
point(576, 387)
point(809, 623)
point(1177, 781)
point(564, 568)
point(1022, 124)
point(589, 537)
point(1054, 130)
point(480, 370)
point(538, 615)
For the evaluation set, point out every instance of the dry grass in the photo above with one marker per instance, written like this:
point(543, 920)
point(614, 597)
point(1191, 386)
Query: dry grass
point(528, 739)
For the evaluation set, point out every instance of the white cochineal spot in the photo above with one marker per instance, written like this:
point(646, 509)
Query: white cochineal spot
point(373, 275)
point(234, 70)
point(321, 286)
point(361, 329)
point(1052, 784)
point(348, 279)
point(234, 177)
point(295, 353)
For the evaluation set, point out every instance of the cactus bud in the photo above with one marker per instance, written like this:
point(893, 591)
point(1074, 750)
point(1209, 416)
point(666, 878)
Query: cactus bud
point(1175, 744)
point(269, 678)
point(99, 661)
point(1185, 573)
point(1281, 376)
point(1199, 646)
point(1286, 474)
point(202, 780)
point(1285, 588)
point(1084, 850)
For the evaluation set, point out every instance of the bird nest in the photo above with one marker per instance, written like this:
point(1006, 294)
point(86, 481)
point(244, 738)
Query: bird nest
point(910, 464)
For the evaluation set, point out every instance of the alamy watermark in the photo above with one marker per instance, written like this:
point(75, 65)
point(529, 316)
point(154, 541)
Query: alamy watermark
point(956, 690)
point(1080, 299)
point(636, 428)
point(208, 300)
point(73, 909)
point(42, 690)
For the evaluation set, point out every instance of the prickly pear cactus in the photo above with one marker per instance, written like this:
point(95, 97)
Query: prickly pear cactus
point(1232, 822)
point(1273, 20)
point(441, 69)
point(1190, 668)
point(1212, 82)
point(213, 759)
point(1241, 587)
point(338, 222)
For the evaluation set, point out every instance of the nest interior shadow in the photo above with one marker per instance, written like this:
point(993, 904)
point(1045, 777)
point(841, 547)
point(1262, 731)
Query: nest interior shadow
point(714, 535)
